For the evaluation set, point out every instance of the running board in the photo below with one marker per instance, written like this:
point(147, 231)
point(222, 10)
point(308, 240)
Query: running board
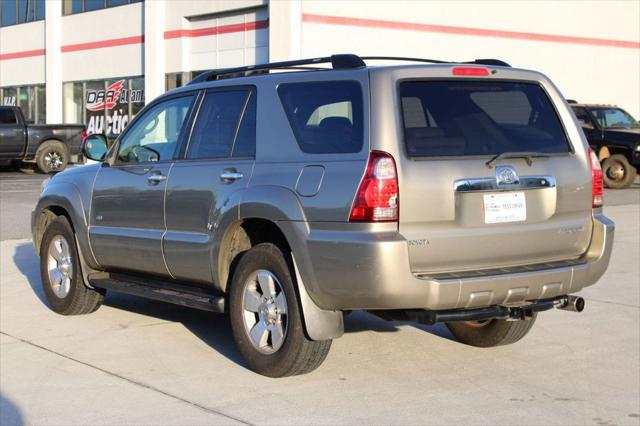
point(164, 291)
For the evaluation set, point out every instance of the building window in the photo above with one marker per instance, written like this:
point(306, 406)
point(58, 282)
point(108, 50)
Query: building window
point(30, 99)
point(104, 106)
point(69, 7)
point(20, 11)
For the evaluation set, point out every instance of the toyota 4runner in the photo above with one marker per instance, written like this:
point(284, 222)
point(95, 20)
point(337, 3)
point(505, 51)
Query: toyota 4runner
point(462, 193)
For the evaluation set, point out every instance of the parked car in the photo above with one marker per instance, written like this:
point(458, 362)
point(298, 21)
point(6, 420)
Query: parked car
point(50, 146)
point(461, 193)
point(615, 136)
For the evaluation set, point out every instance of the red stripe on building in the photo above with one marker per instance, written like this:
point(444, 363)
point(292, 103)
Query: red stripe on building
point(222, 29)
point(103, 43)
point(23, 54)
point(481, 32)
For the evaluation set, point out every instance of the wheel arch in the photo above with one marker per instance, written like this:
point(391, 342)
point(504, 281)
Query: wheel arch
point(63, 199)
point(274, 214)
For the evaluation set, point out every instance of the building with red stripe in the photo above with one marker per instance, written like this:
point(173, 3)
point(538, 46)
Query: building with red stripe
point(64, 61)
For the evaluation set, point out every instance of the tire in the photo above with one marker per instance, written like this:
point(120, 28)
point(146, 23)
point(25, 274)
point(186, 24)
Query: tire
point(617, 173)
point(487, 334)
point(52, 157)
point(67, 294)
point(263, 267)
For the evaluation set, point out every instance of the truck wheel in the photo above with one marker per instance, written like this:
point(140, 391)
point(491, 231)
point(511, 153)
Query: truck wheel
point(52, 157)
point(486, 334)
point(60, 272)
point(266, 319)
point(617, 173)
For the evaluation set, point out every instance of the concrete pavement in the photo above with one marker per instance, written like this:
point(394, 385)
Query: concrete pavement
point(138, 361)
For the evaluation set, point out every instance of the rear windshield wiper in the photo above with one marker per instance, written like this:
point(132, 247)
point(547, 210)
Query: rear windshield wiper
point(526, 155)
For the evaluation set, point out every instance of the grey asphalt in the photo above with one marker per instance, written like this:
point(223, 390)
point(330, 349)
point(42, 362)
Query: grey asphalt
point(142, 362)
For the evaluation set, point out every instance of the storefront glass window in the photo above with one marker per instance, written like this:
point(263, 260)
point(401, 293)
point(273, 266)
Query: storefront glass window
point(25, 97)
point(10, 96)
point(23, 103)
point(41, 104)
point(136, 86)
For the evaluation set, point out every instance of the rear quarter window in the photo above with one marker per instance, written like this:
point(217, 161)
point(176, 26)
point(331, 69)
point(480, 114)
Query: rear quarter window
point(459, 118)
point(326, 117)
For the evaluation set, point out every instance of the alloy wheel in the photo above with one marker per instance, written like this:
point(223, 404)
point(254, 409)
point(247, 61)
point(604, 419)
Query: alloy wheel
point(264, 307)
point(60, 266)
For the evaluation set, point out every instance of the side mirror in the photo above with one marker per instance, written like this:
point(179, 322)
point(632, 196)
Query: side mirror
point(94, 147)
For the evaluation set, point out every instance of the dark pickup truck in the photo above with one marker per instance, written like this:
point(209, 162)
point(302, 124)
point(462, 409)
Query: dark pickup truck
point(50, 147)
point(614, 135)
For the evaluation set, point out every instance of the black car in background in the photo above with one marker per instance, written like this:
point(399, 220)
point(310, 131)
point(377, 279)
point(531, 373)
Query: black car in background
point(49, 146)
point(615, 137)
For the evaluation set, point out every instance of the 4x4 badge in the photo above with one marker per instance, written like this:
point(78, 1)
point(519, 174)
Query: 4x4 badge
point(506, 175)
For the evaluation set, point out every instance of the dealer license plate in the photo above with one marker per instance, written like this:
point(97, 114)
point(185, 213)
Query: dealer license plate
point(505, 207)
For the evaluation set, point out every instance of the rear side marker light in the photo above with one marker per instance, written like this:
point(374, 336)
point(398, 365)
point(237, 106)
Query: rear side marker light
point(471, 71)
point(597, 184)
point(377, 196)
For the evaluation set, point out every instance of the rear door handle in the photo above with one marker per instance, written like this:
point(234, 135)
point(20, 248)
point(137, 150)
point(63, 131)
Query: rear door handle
point(229, 176)
point(156, 179)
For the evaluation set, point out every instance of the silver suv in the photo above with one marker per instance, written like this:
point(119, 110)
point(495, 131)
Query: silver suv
point(462, 193)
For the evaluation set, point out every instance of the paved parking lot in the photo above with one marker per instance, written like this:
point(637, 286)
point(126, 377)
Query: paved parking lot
point(138, 361)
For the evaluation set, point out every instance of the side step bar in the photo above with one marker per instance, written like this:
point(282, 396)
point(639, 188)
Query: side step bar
point(164, 291)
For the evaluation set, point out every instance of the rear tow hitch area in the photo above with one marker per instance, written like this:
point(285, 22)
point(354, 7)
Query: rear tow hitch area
point(423, 316)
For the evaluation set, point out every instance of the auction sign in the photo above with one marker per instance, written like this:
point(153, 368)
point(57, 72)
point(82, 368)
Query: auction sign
point(108, 109)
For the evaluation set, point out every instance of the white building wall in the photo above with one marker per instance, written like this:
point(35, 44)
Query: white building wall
point(22, 58)
point(593, 52)
point(103, 43)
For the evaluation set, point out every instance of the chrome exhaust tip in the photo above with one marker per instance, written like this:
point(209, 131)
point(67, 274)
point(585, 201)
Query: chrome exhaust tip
point(571, 303)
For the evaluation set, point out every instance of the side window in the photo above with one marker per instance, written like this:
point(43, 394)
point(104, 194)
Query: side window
point(7, 116)
point(245, 145)
point(583, 117)
point(154, 137)
point(217, 124)
point(326, 117)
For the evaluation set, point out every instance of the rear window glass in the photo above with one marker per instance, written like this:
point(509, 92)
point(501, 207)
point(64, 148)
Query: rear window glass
point(7, 116)
point(326, 117)
point(454, 118)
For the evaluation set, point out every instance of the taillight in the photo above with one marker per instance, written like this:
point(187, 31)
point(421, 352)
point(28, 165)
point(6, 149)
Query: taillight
point(597, 185)
point(377, 196)
point(84, 135)
point(471, 71)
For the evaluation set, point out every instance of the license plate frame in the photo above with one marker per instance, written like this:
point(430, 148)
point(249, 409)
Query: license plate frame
point(505, 207)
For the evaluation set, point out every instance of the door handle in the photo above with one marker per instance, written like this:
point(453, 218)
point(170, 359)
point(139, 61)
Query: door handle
point(230, 176)
point(156, 179)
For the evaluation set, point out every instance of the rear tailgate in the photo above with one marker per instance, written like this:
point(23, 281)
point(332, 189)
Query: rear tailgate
point(457, 212)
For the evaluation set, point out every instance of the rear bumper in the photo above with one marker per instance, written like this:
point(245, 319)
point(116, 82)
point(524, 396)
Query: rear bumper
point(371, 271)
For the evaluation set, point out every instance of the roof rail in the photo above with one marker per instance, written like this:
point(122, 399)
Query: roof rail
point(402, 58)
point(346, 61)
point(494, 62)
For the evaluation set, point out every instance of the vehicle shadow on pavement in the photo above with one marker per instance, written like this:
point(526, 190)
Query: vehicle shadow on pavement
point(213, 329)
point(10, 414)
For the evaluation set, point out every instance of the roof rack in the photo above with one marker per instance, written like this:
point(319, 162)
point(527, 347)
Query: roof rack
point(337, 62)
point(344, 61)
point(489, 61)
